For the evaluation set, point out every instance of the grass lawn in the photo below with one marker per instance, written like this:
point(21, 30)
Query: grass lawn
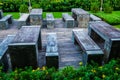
point(117, 26)
point(16, 15)
point(112, 18)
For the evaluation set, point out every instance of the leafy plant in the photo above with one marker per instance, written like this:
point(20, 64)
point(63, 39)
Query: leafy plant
point(107, 7)
point(110, 71)
point(23, 8)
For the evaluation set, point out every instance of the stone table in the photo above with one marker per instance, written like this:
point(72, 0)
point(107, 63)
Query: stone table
point(36, 17)
point(81, 17)
point(24, 48)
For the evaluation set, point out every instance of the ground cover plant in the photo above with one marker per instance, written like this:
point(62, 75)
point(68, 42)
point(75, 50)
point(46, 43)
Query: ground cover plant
point(112, 18)
point(109, 71)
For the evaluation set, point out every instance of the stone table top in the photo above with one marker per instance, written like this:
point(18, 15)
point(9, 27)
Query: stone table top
point(79, 11)
point(27, 35)
point(36, 12)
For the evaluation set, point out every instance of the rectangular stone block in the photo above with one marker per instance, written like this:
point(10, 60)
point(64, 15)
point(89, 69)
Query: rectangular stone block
point(5, 21)
point(4, 25)
point(50, 20)
point(23, 20)
point(107, 38)
point(90, 50)
point(24, 48)
point(81, 16)
point(94, 18)
point(52, 50)
point(68, 20)
point(52, 61)
point(4, 60)
point(36, 17)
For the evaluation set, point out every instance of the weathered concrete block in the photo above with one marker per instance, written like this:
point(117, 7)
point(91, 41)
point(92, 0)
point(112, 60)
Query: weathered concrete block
point(82, 17)
point(68, 20)
point(5, 21)
point(107, 38)
point(4, 25)
point(4, 59)
point(23, 49)
point(36, 17)
point(94, 18)
point(90, 50)
point(52, 47)
point(50, 20)
point(23, 20)
point(52, 51)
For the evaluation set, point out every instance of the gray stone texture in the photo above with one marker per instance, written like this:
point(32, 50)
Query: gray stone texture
point(24, 47)
point(5, 21)
point(50, 20)
point(106, 37)
point(68, 20)
point(81, 17)
point(23, 20)
point(52, 51)
point(4, 60)
point(36, 17)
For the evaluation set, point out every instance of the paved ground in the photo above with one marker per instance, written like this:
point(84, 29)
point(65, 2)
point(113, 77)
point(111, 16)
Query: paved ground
point(69, 54)
point(11, 31)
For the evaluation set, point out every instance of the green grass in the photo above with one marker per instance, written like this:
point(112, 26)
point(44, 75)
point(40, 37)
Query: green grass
point(112, 18)
point(117, 26)
point(15, 15)
point(56, 14)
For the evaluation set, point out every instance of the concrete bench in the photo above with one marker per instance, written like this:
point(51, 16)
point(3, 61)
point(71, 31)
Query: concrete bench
point(94, 18)
point(5, 21)
point(106, 37)
point(52, 51)
point(23, 20)
point(50, 20)
point(90, 49)
point(4, 60)
point(1, 14)
point(68, 20)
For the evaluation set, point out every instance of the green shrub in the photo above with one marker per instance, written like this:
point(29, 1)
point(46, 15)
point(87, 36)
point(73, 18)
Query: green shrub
point(23, 8)
point(94, 7)
point(110, 71)
point(56, 5)
point(35, 5)
point(111, 18)
point(107, 7)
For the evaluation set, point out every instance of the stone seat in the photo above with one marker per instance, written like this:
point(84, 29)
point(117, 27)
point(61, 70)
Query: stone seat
point(90, 50)
point(50, 20)
point(5, 21)
point(23, 20)
point(4, 60)
point(94, 18)
point(52, 51)
point(68, 20)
